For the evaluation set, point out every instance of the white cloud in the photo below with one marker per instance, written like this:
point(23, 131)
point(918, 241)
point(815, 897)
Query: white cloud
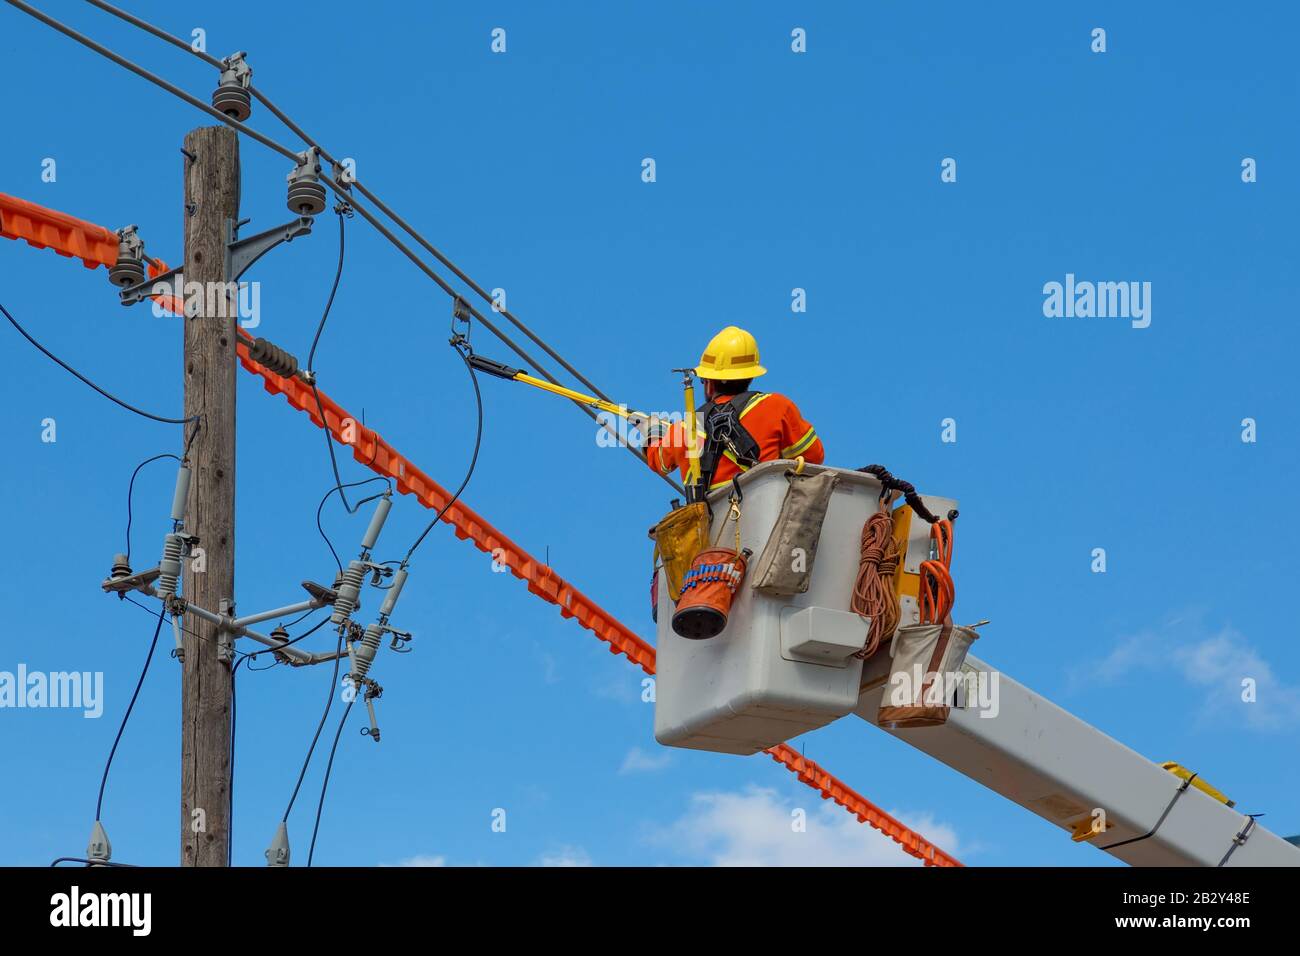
point(638, 761)
point(755, 827)
point(566, 856)
point(1216, 661)
point(425, 860)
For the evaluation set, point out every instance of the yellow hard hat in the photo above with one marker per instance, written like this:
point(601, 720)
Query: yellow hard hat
point(731, 354)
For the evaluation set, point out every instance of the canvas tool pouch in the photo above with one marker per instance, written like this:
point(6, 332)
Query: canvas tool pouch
point(785, 566)
point(679, 536)
point(924, 656)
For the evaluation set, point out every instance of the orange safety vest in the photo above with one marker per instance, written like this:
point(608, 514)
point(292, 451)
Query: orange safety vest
point(773, 420)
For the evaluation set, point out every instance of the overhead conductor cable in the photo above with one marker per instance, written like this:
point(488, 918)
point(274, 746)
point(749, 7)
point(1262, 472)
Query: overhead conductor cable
point(342, 189)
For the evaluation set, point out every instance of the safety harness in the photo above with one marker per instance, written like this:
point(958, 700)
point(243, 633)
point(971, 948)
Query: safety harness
point(726, 436)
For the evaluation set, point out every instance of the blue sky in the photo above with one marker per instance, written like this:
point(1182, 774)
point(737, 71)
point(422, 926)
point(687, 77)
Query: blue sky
point(775, 170)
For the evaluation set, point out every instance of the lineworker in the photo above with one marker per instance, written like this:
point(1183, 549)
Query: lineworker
point(746, 427)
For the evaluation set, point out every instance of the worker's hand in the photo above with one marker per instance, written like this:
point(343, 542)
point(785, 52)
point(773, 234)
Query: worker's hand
point(654, 429)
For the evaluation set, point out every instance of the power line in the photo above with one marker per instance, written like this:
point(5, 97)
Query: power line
point(156, 31)
point(329, 702)
point(473, 462)
point(130, 490)
point(342, 190)
point(312, 630)
point(311, 367)
point(103, 780)
point(152, 78)
point(321, 507)
point(234, 713)
point(379, 203)
point(476, 314)
point(68, 368)
point(329, 765)
point(230, 782)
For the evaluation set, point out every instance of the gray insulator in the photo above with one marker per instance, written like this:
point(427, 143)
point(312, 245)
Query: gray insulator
point(277, 854)
point(232, 95)
point(306, 194)
point(182, 493)
point(121, 568)
point(126, 272)
point(233, 100)
point(306, 198)
point(169, 568)
point(349, 590)
point(363, 654)
point(394, 592)
point(274, 358)
point(99, 848)
point(377, 523)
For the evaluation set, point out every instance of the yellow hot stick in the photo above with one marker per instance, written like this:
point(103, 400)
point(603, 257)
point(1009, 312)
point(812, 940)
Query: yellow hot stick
point(620, 410)
point(692, 455)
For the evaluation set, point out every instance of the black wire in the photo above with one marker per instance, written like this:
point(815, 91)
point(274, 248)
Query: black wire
point(478, 439)
point(253, 656)
point(321, 507)
point(130, 488)
point(311, 852)
point(301, 617)
point(308, 633)
point(230, 787)
point(68, 368)
point(338, 274)
point(329, 702)
point(103, 781)
point(198, 423)
point(311, 364)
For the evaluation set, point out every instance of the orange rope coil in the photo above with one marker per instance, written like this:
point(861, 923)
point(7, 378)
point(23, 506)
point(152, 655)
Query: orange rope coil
point(873, 591)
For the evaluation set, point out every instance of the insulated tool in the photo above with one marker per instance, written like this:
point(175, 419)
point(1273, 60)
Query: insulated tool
point(512, 374)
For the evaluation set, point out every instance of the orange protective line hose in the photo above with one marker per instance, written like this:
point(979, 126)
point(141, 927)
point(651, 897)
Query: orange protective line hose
point(47, 229)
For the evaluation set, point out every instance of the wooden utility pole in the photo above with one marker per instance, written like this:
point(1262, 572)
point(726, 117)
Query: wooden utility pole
point(211, 200)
